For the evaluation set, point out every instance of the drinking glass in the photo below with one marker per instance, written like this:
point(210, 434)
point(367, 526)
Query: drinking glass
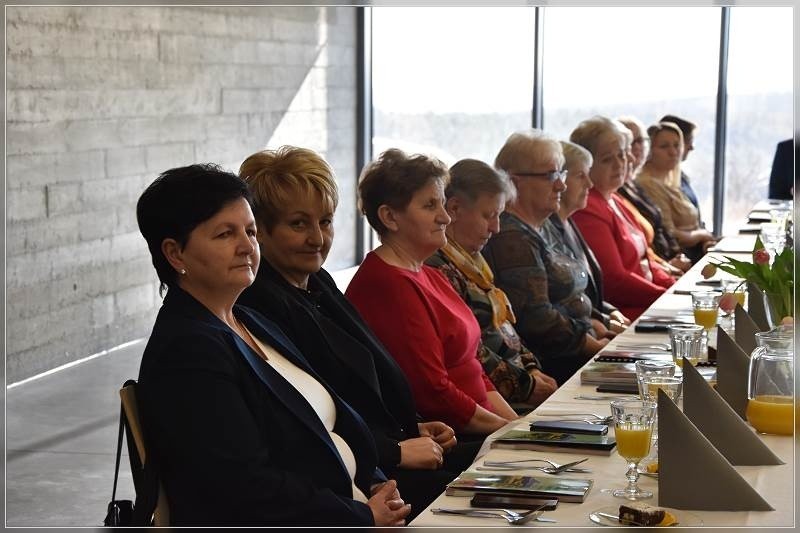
point(652, 368)
point(671, 386)
point(780, 216)
point(689, 341)
point(773, 236)
point(706, 308)
point(650, 376)
point(736, 288)
point(633, 425)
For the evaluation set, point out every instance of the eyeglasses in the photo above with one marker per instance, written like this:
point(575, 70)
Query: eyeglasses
point(551, 176)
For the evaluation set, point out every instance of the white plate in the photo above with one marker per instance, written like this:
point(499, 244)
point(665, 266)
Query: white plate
point(685, 518)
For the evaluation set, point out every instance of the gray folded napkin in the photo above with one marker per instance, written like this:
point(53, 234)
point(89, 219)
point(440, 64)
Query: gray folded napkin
point(745, 329)
point(692, 474)
point(720, 424)
point(733, 364)
point(756, 307)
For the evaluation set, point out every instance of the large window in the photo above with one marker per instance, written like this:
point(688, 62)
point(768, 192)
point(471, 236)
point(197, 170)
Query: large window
point(759, 104)
point(451, 82)
point(646, 62)
point(455, 82)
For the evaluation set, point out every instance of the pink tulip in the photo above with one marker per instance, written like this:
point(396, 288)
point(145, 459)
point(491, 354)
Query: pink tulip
point(761, 257)
point(709, 270)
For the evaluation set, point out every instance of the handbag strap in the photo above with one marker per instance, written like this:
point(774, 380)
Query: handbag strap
point(119, 451)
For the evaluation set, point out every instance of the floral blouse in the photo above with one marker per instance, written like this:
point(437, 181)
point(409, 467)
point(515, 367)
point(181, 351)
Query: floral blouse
point(546, 288)
point(504, 358)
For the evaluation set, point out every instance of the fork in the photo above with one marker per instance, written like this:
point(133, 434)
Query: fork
point(548, 461)
point(593, 415)
point(545, 469)
point(600, 421)
point(513, 518)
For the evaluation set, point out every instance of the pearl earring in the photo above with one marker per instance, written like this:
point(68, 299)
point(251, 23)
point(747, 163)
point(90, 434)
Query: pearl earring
point(183, 272)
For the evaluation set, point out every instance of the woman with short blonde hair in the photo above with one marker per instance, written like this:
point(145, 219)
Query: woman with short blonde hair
point(295, 191)
point(274, 176)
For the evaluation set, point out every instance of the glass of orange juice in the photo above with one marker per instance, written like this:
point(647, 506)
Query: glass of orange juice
point(633, 426)
point(706, 308)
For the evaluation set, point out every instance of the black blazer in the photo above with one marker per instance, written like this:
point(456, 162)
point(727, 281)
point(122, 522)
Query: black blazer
point(362, 372)
point(782, 177)
point(232, 449)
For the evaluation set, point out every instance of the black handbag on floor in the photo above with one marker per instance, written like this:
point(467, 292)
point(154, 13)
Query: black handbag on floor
point(145, 481)
point(120, 512)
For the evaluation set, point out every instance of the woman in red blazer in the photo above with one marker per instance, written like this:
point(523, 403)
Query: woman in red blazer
point(631, 281)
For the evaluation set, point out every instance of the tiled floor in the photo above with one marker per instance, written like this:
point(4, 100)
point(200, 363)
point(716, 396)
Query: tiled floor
point(61, 437)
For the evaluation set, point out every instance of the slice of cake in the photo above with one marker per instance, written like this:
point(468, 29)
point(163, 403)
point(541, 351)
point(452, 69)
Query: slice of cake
point(641, 514)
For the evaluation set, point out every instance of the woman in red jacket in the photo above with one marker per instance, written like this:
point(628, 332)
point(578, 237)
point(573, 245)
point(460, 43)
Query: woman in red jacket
point(632, 281)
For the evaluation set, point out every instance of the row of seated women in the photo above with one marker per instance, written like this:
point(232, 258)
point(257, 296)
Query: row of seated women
point(303, 407)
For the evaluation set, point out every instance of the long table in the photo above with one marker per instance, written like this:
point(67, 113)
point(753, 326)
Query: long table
point(774, 483)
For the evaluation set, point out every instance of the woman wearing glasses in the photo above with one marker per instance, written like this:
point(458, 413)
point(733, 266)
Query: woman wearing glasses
point(544, 285)
point(632, 281)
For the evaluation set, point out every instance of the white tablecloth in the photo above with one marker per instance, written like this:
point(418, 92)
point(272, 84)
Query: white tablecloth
point(774, 483)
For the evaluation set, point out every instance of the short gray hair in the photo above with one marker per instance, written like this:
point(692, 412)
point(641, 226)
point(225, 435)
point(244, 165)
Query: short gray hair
point(521, 146)
point(575, 154)
point(469, 178)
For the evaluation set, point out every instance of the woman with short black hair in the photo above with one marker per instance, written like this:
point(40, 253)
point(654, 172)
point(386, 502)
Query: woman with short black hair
point(240, 428)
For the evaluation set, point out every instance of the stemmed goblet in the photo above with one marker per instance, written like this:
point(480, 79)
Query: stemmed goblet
point(633, 426)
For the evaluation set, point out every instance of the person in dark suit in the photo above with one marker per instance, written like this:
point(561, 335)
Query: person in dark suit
point(295, 197)
point(783, 175)
point(240, 428)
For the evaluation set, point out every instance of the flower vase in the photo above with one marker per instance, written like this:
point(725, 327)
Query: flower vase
point(777, 306)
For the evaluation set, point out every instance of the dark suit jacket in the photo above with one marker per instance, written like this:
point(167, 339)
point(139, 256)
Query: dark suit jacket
point(359, 368)
point(783, 175)
point(232, 449)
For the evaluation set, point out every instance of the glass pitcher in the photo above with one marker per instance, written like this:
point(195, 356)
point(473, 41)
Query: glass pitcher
point(770, 383)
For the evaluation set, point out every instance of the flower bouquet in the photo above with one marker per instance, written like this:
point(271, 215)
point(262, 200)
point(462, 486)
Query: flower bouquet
point(775, 278)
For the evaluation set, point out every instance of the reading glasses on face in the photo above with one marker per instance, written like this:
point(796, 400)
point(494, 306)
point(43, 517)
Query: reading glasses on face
point(551, 176)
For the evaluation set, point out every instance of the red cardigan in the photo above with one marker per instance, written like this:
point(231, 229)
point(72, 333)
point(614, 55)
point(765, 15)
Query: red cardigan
point(612, 244)
point(431, 333)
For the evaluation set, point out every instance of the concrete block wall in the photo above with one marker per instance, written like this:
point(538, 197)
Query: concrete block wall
point(102, 99)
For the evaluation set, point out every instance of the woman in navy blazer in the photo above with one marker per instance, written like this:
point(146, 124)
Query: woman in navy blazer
point(241, 430)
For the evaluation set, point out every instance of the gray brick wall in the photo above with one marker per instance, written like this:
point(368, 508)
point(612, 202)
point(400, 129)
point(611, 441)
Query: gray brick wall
point(102, 99)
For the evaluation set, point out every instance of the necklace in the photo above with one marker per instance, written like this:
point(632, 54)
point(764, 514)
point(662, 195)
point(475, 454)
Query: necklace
point(244, 333)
